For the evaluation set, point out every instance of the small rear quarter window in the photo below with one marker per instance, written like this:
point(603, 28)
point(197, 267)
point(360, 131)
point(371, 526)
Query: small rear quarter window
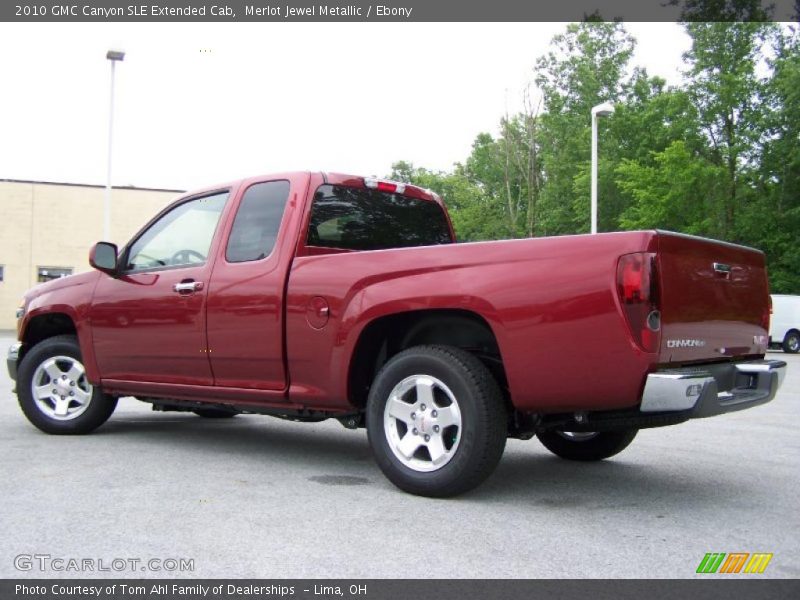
point(257, 221)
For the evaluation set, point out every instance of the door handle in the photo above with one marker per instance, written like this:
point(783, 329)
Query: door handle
point(187, 287)
point(722, 270)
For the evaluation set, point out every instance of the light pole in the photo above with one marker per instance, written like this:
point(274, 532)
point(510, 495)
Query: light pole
point(601, 110)
point(113, 56)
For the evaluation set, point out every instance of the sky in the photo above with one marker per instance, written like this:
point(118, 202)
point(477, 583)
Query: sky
point(200, 104)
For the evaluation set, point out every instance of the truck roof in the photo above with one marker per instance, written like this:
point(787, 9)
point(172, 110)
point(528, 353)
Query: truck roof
point(332, 178)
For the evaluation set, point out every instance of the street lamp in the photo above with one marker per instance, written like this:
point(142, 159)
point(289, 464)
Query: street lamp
point(113, 56)
point(601, 110)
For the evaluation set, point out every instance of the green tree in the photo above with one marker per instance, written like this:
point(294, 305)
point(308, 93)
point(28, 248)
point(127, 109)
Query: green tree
point(717, 156)
point(648, 119)
point(475, 215)
point(728, 93)
point(773, 222)
point(674, 192)
point(722, 10)
point(585, 66)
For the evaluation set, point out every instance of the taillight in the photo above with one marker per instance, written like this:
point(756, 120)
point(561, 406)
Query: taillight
point(637, 286)
point(392, 187)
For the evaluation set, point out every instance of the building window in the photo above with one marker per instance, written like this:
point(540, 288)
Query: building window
point(48, 273)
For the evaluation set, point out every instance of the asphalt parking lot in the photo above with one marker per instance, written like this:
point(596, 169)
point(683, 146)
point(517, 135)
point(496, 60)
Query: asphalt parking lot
point(258, 497)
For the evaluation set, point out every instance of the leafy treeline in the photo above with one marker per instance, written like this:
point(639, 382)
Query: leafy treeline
point(717, 156)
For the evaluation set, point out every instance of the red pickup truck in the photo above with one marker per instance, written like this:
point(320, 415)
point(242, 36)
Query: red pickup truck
point(310, 296)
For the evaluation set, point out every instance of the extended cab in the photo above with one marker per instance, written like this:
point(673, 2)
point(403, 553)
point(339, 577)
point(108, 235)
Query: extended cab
point(309, 296)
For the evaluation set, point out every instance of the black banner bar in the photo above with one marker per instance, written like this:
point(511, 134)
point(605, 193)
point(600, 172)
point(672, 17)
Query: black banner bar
point(713, 588)
point(360, 10)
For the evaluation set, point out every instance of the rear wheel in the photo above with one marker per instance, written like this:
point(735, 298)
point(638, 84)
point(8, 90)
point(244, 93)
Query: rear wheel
point(587, 445)
point(791, 343)
point(55, 394)
point(436, 421)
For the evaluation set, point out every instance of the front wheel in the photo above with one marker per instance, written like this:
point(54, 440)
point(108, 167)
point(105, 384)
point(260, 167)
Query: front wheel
point(55, 394)
point(791, 343)
point(436, 421)
point(587, 445)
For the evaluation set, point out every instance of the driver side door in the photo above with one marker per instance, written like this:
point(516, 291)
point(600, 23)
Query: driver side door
point(148, 323)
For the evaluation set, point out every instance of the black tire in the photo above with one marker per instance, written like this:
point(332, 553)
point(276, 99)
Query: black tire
point(215, 413)
point(603, 444)
point(98, 407)
point(791, 343)
point(480, 433)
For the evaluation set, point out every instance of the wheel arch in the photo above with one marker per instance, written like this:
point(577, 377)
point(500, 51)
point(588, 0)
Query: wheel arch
point(388, 335)
point(44, 324)
point(790, 331)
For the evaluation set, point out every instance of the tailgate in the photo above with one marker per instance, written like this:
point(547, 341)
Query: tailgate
point(714, 299)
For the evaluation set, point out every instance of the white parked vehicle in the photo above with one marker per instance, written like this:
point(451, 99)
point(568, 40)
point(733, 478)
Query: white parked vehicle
point(784, 329)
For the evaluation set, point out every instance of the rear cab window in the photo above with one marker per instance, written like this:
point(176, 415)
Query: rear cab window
point(348, 218)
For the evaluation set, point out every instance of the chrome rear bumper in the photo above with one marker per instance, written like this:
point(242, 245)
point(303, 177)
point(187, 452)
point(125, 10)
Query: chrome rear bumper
point(714, 389)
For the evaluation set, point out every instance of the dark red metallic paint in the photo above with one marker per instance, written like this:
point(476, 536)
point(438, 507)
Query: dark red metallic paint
point(246, 305)
point(552, 304)
point(144, 330)
point(699, 303)
point(70, 296)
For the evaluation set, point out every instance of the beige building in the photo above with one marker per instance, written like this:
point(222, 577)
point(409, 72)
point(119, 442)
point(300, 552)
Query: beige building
point(47, 229)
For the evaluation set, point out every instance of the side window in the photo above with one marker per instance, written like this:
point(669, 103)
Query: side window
point(180, 237)
point(257, 221)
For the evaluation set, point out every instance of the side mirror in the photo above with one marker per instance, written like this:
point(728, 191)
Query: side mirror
point(103, 257)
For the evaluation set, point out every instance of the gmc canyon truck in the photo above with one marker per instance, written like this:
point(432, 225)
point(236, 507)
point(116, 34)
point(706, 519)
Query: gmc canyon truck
point(309, 296)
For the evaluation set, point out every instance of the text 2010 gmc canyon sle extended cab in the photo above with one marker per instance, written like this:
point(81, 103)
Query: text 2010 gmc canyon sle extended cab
point(308, 296)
